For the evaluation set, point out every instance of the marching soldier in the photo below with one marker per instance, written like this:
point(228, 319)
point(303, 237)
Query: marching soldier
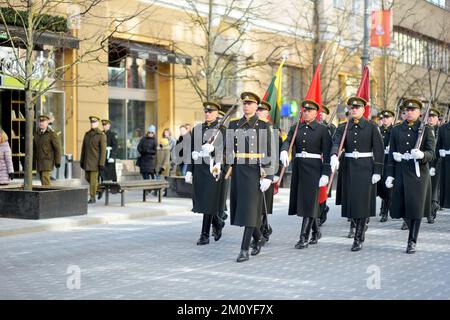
point(47, 150)
point(411, 197)
point(204, 171)
point(384, 193)
point(93, 155)
point(266, 230)
point(435, 167)
point(443, 152)
point(332, 130)
point(249, 145)
point(310, 171)
point(361, 168)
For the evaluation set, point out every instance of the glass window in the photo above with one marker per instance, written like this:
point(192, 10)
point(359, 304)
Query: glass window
point(225, 77)
point(52, 103)
point(117, 117)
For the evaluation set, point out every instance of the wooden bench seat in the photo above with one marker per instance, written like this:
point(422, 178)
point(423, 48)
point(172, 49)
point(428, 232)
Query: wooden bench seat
point(122, 187)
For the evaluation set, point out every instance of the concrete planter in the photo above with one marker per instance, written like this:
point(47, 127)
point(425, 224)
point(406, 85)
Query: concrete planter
point(42, 202)
point(178, 187)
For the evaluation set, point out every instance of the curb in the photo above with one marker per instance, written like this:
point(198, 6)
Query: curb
point(88, 220)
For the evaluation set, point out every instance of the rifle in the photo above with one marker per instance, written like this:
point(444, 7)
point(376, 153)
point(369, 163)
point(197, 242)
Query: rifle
point(397, 110)
point(421, 133)
point(446, 118)
point(341, 146)
point(290, 146)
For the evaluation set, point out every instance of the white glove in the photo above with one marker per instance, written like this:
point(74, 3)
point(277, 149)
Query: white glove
point(397, 156)
point(110, 160)
point(215, 170)
point(188, 177)
point(432, 172)
point(417, 154)
point(334, 162)
point(387, 148)
point(323, 181)
point(207, 148)
point(195, 155)
point(275, 179)
point(389, 182)
point(284, 158)
point(375, 178)
point(442, 153)
point(264, 184)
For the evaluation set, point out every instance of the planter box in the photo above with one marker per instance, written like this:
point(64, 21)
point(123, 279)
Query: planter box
point(178, 187)
point(42, 202)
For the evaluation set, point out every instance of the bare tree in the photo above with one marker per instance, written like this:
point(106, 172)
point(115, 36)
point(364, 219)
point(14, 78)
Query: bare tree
point(26, 21)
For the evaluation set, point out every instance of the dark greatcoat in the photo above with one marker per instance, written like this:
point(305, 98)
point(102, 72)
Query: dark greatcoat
point(252, 136)
point(443, 143)
point(109, 172)
point(306, 172)
point(207, 191)
point(436, 164)
point(355, 191)
point(411, 197)
point(382, 191)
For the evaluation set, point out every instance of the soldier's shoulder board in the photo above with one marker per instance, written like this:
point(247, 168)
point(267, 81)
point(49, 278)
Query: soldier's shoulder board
point(235, 119)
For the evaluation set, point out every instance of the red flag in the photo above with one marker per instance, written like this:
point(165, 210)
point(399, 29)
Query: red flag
point(314, 91)
point(364, 91)
point(380, 29)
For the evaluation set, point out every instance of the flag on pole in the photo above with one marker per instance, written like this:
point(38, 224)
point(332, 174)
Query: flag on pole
point(364, 91)
point(314, 92)
point(380, 28)
point(273, 96)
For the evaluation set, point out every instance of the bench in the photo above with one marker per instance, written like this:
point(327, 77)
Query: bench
point(122, 187)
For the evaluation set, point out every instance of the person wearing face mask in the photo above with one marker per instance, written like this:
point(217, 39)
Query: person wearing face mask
point(435, 167)
point(411, 195)
point(384, 193)
point(361, 168)
point(310, 170)
point(93, 155)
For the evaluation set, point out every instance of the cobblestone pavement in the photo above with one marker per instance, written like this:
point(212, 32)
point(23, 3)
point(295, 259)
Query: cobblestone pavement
point(157, 258)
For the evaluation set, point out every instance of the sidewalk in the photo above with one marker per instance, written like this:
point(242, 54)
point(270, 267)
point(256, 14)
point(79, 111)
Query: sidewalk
point(101, 214)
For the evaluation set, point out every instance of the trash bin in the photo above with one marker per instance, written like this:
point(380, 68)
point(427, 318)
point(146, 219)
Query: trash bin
point(68, 166)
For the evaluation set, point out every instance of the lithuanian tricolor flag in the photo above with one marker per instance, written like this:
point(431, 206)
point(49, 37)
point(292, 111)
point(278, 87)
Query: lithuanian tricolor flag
point(273, 96)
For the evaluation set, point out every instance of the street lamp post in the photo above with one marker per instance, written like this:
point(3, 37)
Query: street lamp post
point(365, 51)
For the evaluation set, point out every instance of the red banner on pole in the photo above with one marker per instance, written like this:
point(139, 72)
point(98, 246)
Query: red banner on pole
point(380, 28)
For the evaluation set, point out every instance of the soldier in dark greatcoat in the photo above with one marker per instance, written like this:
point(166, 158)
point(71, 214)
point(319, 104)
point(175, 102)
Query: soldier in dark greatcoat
point(408, 171)
point(109, 173)
point(248, 149)
point(205, 169)
point(435, 167)
point(443, 152)
point(361, 169)
point(310, 170)
point(384, 193)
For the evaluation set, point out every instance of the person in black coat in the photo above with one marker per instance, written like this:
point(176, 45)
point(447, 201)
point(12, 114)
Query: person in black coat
point(443, 152)
point(408, 171)
point(205, 170)
point(248, 149)
point(361, 169)
point(109, 172)
point(387, 117)
point(310, 170)
point(435, 167)
point(332, 130)
point(147, 150)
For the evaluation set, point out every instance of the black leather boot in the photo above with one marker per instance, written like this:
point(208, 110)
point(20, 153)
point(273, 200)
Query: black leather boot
point(217, 225)
point(351, 233)
point(323, 213)
point(304, 234)
point(206, 227)
point(404, 225)
point(316, 234)
point(414, 227)
point(246, 238)
point(243, 256)
point(384, 211)
point(357, 242)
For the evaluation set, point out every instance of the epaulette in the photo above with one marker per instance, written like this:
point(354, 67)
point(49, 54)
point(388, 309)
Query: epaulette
point(235, 119)
point(265, 120)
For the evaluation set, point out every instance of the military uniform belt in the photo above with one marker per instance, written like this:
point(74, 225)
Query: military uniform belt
point(406, 156)
point(447, 152)
point(305, 154)
point(356, 154)
point(249, 155)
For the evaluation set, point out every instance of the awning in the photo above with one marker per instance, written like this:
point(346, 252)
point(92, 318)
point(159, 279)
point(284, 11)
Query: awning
point(152, 52)
point(42, 38)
